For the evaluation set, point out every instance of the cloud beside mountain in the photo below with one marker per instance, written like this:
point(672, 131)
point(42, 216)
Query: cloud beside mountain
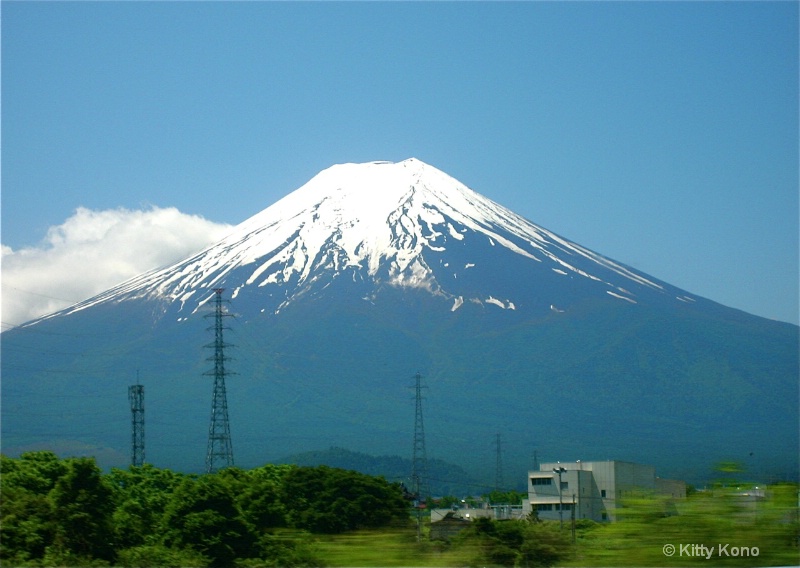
point(93, 251)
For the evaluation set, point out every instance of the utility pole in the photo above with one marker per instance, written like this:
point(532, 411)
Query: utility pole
point(419, 460)
point(136, 398)
point(559, 471)
point(220, 450)
point(573, 518)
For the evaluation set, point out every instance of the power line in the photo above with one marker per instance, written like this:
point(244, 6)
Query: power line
point(28, 328)
point(70, 302)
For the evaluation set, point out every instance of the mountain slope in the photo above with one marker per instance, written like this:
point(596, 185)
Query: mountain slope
point(371, 272)
point(446, 478)
point(404, 225)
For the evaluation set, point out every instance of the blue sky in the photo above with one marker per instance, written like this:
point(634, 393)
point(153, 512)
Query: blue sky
point(663, 135)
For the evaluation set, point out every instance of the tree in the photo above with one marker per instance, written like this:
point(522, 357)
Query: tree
point(141, 495)
point(26, 514)
point(258, 494)
point(26, 527)
point(82, 509)
point(505, 497)
point(67, 513)
point(329, 500)
point(202, 515)
point(36, 472)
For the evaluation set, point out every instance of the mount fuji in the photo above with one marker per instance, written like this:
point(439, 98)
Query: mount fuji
point(371, 272)
point(403, 226)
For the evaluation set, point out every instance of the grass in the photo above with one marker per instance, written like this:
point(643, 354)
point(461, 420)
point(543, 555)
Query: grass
point(381, 548)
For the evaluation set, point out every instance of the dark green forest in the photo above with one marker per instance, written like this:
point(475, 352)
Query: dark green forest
point(66, 512)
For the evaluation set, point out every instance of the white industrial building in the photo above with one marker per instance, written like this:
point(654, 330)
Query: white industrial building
point(592, 489)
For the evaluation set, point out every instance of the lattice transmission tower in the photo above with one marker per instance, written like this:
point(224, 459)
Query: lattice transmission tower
point(498, 467)
point(419, 459)
point(136, 398)
point(220, 449)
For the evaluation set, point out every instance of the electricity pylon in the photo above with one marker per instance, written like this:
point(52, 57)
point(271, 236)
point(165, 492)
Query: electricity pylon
point(498, 468)
point(419, 460)
point(220, 449)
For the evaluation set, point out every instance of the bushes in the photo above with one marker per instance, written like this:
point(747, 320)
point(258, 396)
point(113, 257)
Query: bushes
point(514, 543)
point(148, 556)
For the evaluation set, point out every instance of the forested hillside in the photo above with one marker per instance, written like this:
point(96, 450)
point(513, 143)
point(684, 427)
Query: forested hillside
point(445, 478)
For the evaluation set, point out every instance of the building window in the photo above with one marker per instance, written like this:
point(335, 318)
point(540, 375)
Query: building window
point(541, 480)
point(564, 485)
point(603, 493)
point(544, 507)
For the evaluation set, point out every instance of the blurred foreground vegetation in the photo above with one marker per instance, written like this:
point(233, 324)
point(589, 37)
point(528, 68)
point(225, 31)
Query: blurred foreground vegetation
point(722, 526)
point(66, 512)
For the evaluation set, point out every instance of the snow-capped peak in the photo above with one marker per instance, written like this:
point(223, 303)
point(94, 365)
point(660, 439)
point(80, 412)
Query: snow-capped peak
point(357, 215)
point(386, 221)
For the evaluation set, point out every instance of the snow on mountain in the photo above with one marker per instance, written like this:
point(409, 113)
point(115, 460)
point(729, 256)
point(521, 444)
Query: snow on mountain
point(382, 220)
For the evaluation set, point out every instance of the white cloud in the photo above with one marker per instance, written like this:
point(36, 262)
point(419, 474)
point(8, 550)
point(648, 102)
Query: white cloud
point(93, 251)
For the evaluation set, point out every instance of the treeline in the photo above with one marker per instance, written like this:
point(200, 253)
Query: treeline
point(67, 512)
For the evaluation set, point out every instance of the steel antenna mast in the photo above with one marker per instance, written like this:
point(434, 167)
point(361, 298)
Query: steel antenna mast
point(136, 398)
point(220, 450)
